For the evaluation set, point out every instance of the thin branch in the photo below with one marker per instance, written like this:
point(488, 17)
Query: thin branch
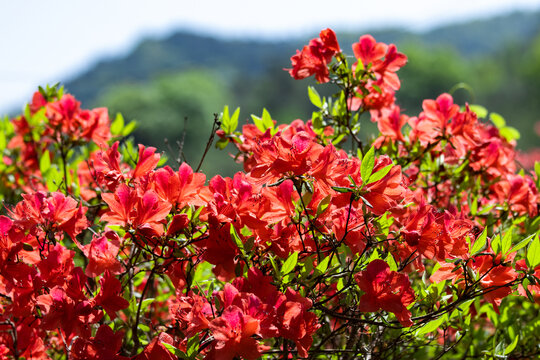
point(215, 127)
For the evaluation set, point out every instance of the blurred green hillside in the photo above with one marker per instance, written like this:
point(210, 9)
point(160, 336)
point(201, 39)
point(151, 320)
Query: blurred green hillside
point(187, 76)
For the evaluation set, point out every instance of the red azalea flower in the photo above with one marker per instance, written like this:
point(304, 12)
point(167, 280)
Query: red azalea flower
point(388, 192)
point(156, 350)
point(101, 254)
point(315, 57)
point(109, 296)
point(52, 213)
point(104, 346)
point(128, 207)
point(148, 160)
point(296, 322)
point(181, 188)
point(386, 290)
point(233, 331)
point(390, 121)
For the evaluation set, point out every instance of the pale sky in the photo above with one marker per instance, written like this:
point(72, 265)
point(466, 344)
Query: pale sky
point(49, 41)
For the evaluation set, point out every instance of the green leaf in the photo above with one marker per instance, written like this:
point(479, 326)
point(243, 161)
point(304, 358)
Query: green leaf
point(225, 119)
point(323, 265)
point(506, 241)
point(2, 140)
point(384, 223)
point(340, 284)
point(128, 129)
point(487, 209)
point(144, 328)
point(267, 120)
point(391, 262)
point(289, 264)
point(533, 226)
point(132, 309)
point(192, 346)
point(342, 189)
point(380, 174)
point(522, 243)
point(525, 285)
point(431, 326)
point(368, 162)
point(162, 160)
point(273, 262)
point(473, 204)
point(117, 125)
point(359, 68)
point(229, 123)
point(461, 167)
point(338, 139)
point(365, 201)
point(465, 305)
point(306, 267)
point(496, 244)
point(177, 352)
point(306, 198)
point(499, 349)
point(27, 247)
point(28, 114)
point(537, 168)
point(237, 241)
point(222, 143)
point(44, 162)
point(374, 256)
point(512, 346)
point(234, 120)
point(323, 205)
point(146, 303)
point(317, 121)
point(497, 120)
point(245, 231)
point(203, 272)
point(314, 97)
point(509, 133)
point(479, 110)
point(54, 178)
point(533, 253)
point(258, 123)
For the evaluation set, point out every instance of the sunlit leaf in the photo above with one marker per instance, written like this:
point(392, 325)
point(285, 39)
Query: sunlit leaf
point(431, 326)
point(533, 253)
point(289, 264)
point(512, 346)
point(380, 174)
point(497, 120)
point(368, 162)
point(314, 97)
point(479, 110)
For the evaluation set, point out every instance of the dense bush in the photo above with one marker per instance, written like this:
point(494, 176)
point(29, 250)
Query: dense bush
point(423, 244)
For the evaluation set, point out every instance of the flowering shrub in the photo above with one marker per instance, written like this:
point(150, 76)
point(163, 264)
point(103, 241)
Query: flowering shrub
point(421, 244)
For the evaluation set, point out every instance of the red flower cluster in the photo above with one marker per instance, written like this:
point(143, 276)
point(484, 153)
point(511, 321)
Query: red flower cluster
point(251, 310)
point(295, 242)
point(386, 290)
point(67, 126)
point(380, 62)
point(315, 57)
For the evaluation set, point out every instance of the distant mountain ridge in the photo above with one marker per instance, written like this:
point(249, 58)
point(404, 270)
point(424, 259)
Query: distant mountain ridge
point(179, 51)
point(183, 50)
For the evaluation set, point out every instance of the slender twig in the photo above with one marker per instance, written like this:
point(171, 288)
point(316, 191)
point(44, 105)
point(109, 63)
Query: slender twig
point(64, 163)
point(215, 127)
point(14, 337)
point(138, 316)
